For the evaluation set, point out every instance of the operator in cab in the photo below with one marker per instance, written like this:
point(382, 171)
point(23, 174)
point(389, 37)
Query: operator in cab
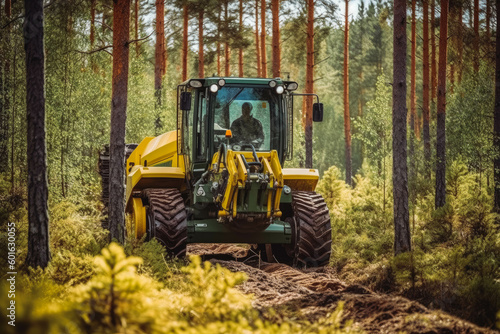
point(246, 129)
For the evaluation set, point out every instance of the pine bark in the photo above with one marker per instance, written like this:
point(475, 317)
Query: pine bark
point(488, 20)
point(184, 42)
point(257, 42)
point(218, 45)
point(275, 6)
point(136, 27)
point(425, 99)
point(263, 56)
point(460, 43)
point(433, 51)
point(413, 88)
point(309, 83)
point(201, 52)
point(92, 23)
point(497, 115)
point(476, 36)
point(121, 12)
point(240, 60)
point(38, 217)
point(347, 118)
point(227, 51)
point(159, 49)
point(400, 174)
point(5, 90)
point(440, 198)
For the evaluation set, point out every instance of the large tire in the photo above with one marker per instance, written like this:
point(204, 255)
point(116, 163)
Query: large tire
point(311, 233)
point(166, 218)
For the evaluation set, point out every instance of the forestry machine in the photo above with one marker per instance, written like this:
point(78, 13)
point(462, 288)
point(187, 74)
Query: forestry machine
point(219, 177)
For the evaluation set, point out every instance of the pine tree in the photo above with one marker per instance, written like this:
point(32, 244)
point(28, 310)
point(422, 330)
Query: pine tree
point(201, 51)
point(425, 99)
point(413, 86)
point(476, 36)
point(263, 56)
point(433, 52)
point(38, 218)
point(185, 20)
point(347, 119)
point(257, 43)
point(309, 83)
point(441, 109)
point(121, 12)
point(275, 6)
point(240, 53)
point(497, 115)
point(136, 27)
point(160, 51)
point(400, 173)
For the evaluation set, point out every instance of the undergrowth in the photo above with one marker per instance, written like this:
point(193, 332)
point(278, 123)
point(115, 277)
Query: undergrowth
point(455, 262)
point(92, 287)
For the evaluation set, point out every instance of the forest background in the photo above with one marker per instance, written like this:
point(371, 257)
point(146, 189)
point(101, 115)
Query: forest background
point(455, 262)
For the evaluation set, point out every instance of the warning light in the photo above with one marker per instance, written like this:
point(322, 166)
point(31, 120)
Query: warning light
point(229, 134)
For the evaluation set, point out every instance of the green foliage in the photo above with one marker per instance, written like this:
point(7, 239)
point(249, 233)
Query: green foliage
point(469, 121)
point(75, 232)
point(375, 128)
point(38, 306)
point(118, 299)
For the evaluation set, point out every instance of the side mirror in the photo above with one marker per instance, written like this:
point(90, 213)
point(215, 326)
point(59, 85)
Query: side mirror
point(318, 112)
point(185, 103)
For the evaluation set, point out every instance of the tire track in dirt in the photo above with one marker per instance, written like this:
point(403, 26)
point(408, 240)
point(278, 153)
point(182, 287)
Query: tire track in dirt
point(313, 293)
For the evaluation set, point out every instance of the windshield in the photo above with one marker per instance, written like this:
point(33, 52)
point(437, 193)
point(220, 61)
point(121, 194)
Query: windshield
point(251, 113)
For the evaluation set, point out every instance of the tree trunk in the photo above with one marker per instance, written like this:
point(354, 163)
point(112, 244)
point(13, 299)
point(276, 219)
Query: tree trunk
point(240, 60)
point(476, 36)
point(460, 43)
point(159, 49)
point(92, 23)
point(4, 91)
point(218, 45)
point(433, 51)
point(399, 176)
point(488, 20)
point(347, 119)
point(275, 6)
point(497, 115)
point(226, 43)
point(413, 88)
point(201, 52)
point(13, 124)
point(257, 43)
point(38, 217)
point(426, 104)
point(136, 27)
point(121, 11)
point(441, 109)
point(184, 42)
point(309, 83)
point(263, 56)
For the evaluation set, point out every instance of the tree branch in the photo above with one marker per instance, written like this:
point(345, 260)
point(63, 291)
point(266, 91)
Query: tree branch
point(103, 48)
point(140, 39)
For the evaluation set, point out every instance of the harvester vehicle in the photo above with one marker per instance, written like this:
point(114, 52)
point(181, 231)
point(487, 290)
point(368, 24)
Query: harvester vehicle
point(219, 177)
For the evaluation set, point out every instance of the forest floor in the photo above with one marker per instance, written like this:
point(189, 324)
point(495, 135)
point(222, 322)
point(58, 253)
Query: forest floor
point(313, 293)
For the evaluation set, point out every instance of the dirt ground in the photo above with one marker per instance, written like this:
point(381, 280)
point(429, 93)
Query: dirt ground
point(312, 293)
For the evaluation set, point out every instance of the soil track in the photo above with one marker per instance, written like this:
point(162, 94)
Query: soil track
point(312, 293)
